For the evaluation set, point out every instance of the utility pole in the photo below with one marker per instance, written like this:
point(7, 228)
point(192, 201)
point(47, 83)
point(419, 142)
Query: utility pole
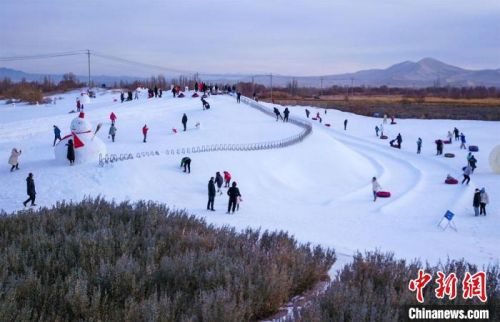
point(321, 79)
point(272, 88)
point(88, 59)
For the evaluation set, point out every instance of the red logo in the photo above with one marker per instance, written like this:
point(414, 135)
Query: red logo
point(474, 286)
point(419, 283)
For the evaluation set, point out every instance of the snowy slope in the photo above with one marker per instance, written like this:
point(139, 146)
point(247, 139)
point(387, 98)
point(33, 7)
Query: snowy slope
point(319, 190)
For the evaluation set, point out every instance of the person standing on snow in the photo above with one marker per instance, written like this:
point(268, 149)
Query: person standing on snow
point(466, 172)
point(472, 163)
point(145, 130)
point(227, 179)
point(122, 97)
point(184, 121)
point(238, 97)
point(485, 199)
point(345, 124)
point(112, 117)
point(476, 201)
point(278, 114)
point(211, 194)
point(376, 130)
point(234, 194)
point(112, 132)
point(375, 188)
point(450, 137)
point(286, 112)
point(14, 159)
point(399, 139)
point(439, 147)
point(219, 181)
point(419, 145)
point(70, 155)
point(307, 113)
point(31, 190)
point(186, 163)
point(57, 135)
point(456, 132)
point(462, 141)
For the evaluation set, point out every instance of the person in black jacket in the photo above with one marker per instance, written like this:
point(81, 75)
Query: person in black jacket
point(476, 202)
point(211, 194)
point(233, 194)
point(219, 180)
point(31, 190)
point(238, 97)
point(186, 163)
point(286, 112)
point(184, 121)
point(278, 114)
point(71, 152)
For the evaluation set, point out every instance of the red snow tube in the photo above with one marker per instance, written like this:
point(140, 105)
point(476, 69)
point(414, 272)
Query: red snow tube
point(383, 194)
point(327, 124)
point(383, 137)
point(451, 181)
point(174, 130)
point(449, 155)
point(447, 142)
point(473, 148)
point(314, 118)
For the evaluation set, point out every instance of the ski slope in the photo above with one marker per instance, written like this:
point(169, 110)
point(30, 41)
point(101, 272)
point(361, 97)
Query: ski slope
point(318, 190)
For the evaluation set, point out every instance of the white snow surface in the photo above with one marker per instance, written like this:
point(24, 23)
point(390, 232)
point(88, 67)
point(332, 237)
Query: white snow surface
point(318, 190)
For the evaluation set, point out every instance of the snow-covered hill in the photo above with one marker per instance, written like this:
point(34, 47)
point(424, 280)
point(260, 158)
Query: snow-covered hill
point(319, 190)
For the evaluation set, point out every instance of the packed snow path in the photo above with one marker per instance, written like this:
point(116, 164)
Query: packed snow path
point(318, 190)
point(274, 144)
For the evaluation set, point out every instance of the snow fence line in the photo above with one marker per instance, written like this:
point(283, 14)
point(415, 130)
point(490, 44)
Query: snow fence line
point(267, 145)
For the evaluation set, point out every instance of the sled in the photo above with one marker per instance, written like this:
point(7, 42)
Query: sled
point(451, 181)
point(174, 130)
point(394, 123)
point(195, 95)
point(473, 148)
point(383, 194)
point(314, 118)
point(447, 142)
point(449, 155)
point(327, 124)
point(181, 95)
point(383, 137)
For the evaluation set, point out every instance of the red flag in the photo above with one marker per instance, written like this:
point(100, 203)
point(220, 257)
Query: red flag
point(77, 142)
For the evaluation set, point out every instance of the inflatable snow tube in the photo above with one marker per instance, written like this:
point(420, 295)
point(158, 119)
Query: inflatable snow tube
point(181, 95)
point(383, 194)
point(495, 159)
point(451, 181)
point(449, 155)
point(314, 118)
point(383, 137)
point(195, 95)
point(473, 148)
point(327, 124)
point(392, 123)
point(447, 142)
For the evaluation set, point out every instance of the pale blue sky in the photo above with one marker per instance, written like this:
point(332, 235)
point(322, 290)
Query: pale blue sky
point(294, 37)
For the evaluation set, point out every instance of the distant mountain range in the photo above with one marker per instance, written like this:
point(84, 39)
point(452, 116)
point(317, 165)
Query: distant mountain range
point(425, 72)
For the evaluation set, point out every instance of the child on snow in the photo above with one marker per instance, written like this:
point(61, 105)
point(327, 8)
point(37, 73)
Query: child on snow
point(466, 172)
point(14, 159)
point(375, 188)
point(227, 179)
point(112, 132)
point(484, 201)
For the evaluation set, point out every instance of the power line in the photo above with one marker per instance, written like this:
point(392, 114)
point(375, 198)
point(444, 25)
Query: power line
point(43, 56)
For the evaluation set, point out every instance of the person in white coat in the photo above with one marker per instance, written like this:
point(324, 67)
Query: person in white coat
point(14, 159)
point(375, 187)
point(485, 199)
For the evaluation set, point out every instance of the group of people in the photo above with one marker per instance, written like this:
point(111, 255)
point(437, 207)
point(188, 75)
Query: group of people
point(286, 113)
point(233, 192)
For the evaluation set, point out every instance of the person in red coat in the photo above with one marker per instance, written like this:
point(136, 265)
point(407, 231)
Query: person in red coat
point(145, 130)
point(112, 117)
point(227, 179)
